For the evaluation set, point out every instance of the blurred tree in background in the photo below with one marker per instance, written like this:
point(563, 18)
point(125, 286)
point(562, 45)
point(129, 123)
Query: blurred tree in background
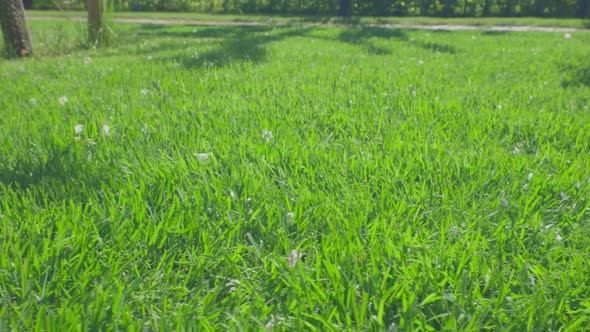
point(445, 8)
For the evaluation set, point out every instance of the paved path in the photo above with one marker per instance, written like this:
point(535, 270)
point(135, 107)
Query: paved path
point(451, 27)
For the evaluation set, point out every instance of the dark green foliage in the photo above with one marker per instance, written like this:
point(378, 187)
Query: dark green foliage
point(443, 8)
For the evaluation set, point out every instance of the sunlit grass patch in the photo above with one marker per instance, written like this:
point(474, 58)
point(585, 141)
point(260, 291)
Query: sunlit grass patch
point(297, 178)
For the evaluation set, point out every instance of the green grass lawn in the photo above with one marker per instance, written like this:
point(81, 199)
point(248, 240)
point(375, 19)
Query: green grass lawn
point(481, 21)
point(433, 180)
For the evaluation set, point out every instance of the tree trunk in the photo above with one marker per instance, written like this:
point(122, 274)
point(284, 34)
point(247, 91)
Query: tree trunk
point(14, 28)
point(346, 8)
point(96, 24)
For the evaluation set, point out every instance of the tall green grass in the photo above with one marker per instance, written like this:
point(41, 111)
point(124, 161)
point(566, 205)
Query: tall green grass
point(433, 181)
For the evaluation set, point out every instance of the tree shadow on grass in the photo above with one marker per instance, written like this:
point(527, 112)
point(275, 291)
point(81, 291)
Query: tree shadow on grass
point(576, 75)
point(495, 33)
point(362, 36)
point(217, 46)
point(56, 171)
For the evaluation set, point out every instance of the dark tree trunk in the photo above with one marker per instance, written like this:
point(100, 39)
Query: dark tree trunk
point(28, 4)
point(346, 8)
point(14, 28)
point(96, 24)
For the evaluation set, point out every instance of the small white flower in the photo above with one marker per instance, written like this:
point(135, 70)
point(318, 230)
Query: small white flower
point(266, 135)
point(293, 258)
point(202, 156)
point(567, 36)
point(78, 129)
point(33, 101)
point(531, 97)
point(420, 62)
point(62, 100)
point(149, 57)
point(87, 60)
point(144, 91)
point(558, 236)
point(290, 216)
point(499, 107)
point(106, 130)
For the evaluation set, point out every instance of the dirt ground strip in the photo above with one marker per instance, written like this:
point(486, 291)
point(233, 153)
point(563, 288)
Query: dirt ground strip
point(449, 27)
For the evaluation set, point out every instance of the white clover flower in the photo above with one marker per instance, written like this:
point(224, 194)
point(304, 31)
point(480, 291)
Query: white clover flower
point(106, 130)
point(87, 60)
point(420, 62)
point(266, 135)
point(567, 36)
point(62, 100)
point(33, 101)
point(202, 156)
point(78, 129)
point(144, 92)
